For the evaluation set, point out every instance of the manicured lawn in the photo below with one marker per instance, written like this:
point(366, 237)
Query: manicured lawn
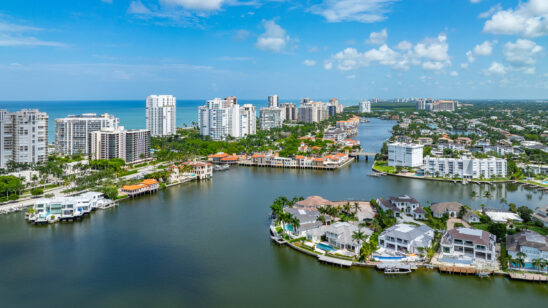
point(382, 166)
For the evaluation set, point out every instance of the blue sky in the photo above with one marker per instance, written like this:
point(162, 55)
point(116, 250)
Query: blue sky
point(196, 49)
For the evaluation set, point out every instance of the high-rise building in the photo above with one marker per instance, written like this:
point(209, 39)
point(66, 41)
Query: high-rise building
point(248, 120)
point(161, 115)
point(137, 145)
point(23, 136)
point(465, 167)
point(365, 106)
point(220, 118)
point(312, 112)
point(305, 100)
point(273, 101)
point(421, 104)
point(405, 154)
point(335, 103)
point(291, 113)
point(442, 106)
point(133, 145)
point(271, 117)
point(73, 132)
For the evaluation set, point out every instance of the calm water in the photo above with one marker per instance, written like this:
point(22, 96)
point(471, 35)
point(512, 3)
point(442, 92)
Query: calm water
point(207, 244)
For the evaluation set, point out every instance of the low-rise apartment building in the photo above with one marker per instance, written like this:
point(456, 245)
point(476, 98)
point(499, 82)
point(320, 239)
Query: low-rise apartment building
point(465, 167)
point(405, 154)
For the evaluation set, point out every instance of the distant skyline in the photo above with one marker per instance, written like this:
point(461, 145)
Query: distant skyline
point(197, 49)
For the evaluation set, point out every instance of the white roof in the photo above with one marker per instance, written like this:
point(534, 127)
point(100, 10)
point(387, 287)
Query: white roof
point(502, 216)
point(469, 231)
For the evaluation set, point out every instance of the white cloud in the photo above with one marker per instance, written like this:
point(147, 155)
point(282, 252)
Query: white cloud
point(378, 38)
point(308, 62)
point(431, 53)
point(529, 19)
point(454, 74)
point(241, 35)
point(475, 1)
point(199, 5)
point(137, 7)
point(14, 35)
point(404, 45)
point(328, 65)
point(491, 11)
point(366, 11)
point(484, 49)
point(470, 57)
point(464, 65)
point(522, 53)
point(351, 77)
point(495, 69)
point(274, 38)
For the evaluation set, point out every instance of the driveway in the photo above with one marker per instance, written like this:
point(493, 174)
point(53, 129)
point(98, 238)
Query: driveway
point(452, 221)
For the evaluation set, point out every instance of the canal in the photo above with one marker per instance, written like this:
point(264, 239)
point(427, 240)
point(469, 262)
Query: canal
point(207, 244)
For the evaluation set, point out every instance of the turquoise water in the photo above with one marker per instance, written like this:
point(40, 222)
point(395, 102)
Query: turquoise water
point(131, 112)
point(388, 258)
point(325, 247)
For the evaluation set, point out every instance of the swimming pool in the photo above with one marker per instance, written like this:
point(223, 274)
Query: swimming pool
point(388, 258)
point(325, 247)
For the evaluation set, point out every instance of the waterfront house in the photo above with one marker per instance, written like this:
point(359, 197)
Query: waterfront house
point(532, 244)
point(405, 238)
point(467, 246)
point(402, 204)
point(542, 215)
point(450, 208)
point(202, 170)
point(308, 220)
point(146, 186)
point(216, 158)
point(340, 234)
point(313, 202)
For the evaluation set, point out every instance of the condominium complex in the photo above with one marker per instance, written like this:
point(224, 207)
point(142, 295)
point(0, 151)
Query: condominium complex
point(271, 117)
point(131, 145)
point(310, 112)
point(72, 133)
point(23, 136)
point(421, 104)
point(220, 118)
point(273, 101)
point(465, 167)
point(442, 106)
point(333, 107)
point(248, 120)
point(365, 106)
point(161, 115)
point(291, 111)
point(405, 154)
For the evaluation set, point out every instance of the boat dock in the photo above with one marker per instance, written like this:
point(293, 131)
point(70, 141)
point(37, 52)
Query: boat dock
point(335, 261)
point(528, 277)
point(459, 270)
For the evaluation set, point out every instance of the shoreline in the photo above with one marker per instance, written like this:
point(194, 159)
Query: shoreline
point(454, 269)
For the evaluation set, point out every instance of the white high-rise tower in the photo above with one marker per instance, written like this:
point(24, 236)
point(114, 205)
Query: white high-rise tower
point(161, 115)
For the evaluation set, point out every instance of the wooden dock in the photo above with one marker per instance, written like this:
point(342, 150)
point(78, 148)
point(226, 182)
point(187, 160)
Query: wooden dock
point(459, 270)
point(335, 261)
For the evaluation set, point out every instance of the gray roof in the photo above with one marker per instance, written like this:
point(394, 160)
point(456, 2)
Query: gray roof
point(388, 205)
point(469, 215)
point(476, 236)
point(406, 231)
point(526, 238)
point(345, 230)
point(404, 198)
point(442, 207)
point(303, 215)
point(420, 210)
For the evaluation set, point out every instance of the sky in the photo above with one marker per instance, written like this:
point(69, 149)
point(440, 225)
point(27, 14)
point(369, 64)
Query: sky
point(199, 49)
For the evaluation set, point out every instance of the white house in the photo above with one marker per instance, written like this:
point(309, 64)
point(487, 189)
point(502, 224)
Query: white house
point(466, 245)
point(532, 244)
point(405, 238)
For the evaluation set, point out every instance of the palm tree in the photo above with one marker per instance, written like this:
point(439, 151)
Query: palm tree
point(295, 222)
point(521, 258)
point(543, 263)
point(356, 207)
point(536, 263)
point(321, 218)
point(359, 236)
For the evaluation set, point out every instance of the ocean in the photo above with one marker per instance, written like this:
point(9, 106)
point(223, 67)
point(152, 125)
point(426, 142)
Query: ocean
point(130, 112)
